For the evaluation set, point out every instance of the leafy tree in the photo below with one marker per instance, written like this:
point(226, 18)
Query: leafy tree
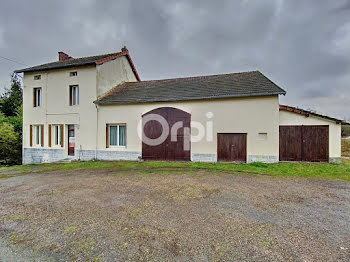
point(10, 143)
point(11, 124)
point(11, 100)
point(345, 130)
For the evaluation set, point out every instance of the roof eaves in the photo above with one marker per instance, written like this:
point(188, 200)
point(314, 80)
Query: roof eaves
point(33, 69)
point(308, 112)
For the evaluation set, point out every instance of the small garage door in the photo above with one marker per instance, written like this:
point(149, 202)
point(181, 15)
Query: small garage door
point(232, 147)
point(304, 143)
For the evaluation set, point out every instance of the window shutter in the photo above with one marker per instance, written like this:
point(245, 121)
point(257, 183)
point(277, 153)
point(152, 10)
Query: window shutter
point(31, 135)
point(62, 135)
point(70, 95)
point(107, 135)
point(34, 97)
point(42, 135)
point(50, 136)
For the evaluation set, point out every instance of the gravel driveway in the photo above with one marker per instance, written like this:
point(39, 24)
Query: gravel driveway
point(106, 215)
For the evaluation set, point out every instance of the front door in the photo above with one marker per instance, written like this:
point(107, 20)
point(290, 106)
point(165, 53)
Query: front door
point(71, 140)
point(232, 147)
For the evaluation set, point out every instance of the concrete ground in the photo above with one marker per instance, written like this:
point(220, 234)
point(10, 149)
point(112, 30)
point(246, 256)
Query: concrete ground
point(107, 215)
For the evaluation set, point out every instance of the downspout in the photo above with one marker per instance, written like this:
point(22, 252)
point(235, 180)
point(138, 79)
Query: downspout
point(96, 131)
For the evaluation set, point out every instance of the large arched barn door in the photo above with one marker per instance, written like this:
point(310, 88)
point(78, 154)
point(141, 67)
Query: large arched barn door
point(174, 147)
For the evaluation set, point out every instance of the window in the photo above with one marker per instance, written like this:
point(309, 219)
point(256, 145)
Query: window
point(57, 134)
point(73, 73)
point(37, 77)
point(74, 95)
point(37, 97)
point(117, 135)
point(38, 135)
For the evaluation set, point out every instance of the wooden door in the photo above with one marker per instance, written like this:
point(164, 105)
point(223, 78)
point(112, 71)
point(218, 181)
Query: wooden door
point(71, 140)
point(232, 147)
point(304, 143)
point(290, 144)
point(170, 149)
point(315, 143)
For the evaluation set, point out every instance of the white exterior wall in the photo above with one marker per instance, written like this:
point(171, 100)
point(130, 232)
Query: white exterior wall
point(252, 115)
point(289, 118)
point(55, 108)
point(112, 73)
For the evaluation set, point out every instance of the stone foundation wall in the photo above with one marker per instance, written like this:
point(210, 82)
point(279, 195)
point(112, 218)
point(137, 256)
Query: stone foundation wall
point(204, 157)
point(42, 155)
point(262, 159)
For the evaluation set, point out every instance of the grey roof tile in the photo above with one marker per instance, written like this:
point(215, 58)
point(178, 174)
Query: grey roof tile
point(89, 60)
point(243, 84)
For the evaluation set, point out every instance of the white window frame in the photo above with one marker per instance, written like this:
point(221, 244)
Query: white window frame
point(57, 135)
point(37, 135)
point(74, 89)
point(38, 96)
point(72, 74)
point(37, 77)
point(109, 135)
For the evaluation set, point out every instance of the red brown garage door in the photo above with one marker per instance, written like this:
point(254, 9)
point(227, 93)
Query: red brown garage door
point(168, 150)
point(232, 147)
point(304, 143)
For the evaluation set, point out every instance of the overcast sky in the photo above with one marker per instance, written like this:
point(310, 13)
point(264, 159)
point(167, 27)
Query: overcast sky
point(301, 45)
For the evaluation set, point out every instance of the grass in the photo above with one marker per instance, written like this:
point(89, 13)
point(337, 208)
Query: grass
point(308, 170)
point(345, 147)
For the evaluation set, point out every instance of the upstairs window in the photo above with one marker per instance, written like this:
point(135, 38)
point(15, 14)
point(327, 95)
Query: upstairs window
point(73, 95)
point(73, 73)
point(37, 77)
point(117, 135)
point(37, 97)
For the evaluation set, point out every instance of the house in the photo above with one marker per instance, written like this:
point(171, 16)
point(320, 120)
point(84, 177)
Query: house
point(98, 108)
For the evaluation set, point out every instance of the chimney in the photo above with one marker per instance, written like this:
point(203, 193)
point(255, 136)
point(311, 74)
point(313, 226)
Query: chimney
point(63, 56)
point(124, 49)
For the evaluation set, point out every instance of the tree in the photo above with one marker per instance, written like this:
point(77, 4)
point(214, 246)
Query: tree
point(10, 143)
point(11, 124)
point(11, 100)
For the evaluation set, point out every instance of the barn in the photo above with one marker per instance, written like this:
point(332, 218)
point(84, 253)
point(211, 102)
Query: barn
point(229, 118)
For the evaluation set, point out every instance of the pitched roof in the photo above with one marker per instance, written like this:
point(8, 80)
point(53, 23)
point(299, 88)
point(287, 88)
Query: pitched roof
point(307, 113)
point(82, 61)
point(244, 84)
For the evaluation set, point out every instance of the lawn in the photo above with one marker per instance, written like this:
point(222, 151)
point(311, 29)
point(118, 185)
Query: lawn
point(307, 170)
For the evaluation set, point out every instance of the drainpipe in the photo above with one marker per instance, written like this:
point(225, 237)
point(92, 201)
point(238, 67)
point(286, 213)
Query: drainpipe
point(96, 131)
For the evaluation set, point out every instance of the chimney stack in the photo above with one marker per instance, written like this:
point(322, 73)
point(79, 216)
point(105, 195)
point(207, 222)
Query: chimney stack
point(63, 56)
point(124, 49)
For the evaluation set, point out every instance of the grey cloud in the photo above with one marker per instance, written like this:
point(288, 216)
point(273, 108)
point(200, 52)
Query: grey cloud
point(301, 45)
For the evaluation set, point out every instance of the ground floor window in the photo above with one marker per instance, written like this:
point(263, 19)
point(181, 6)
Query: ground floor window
point(117, 135)
point(38, 135)
point(57, 134)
